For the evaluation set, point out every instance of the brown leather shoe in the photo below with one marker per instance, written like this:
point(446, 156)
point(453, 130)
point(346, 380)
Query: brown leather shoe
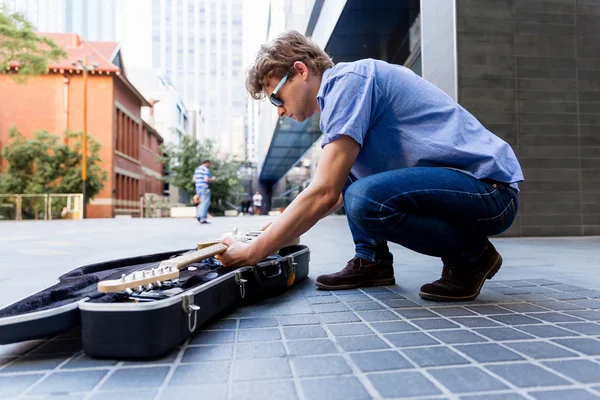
point(358, 273)
point(463, 284)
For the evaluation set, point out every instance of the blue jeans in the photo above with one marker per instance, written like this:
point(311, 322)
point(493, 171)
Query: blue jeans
point(204, 203)
point(434, 211)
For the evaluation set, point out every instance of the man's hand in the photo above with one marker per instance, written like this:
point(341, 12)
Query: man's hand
point(238, 254)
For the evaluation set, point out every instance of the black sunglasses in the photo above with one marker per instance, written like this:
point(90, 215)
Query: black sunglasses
point(273, 97)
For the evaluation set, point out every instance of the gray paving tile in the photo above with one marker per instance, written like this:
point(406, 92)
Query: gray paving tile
point(378, 289)
point(387, 295)
point(213, 337)
point(543, 282)
point(526, 375)
point(488, 352)
point(14, 385)
point(260, 350)
point(571, 394)
point(349, 329)
point(523, 308)
point(67, 382)
point(139, 394)
point(194, 354)
point(517, 283)
point(501, 334)
point(394, 326)
point(83, 361)
point(558, 305)
point(338, 317)
point(399, 303)
point(403, 384)
point(257, 335)
point(304, 332)
point(338, 388)
point(587, 303)
point(35, 363)
point(329, 308)
point(540, 350)
point(515, 319)
point(547, 331)
point(567, 288)
point(322, 299)
point(215, 391)
point(488, 310)
point(321, 366)
point(434, 357)
point(126, 378)
point(166, 359)
point(565, 295)
point(590, 315)
point(246, 323)
point(380, 361)
point(221, 324)
point(455, 336)
point(273, 390)
point(371, 305)
point(587, 328)
point(591, 347)
point(475, 322)
point(583, 371)
point(411, 313)
point(264, 369)
point(594, 294)
point(438, 323)
point(497, 396)
point(410, 339)
point(360, 343)
point(555, 317)
point(377, 315)
point(467, 379)
point(311, 347)
point(452, 311)
point(206, 373)
point(349, 298)
point(290, 320)
point(531, 297)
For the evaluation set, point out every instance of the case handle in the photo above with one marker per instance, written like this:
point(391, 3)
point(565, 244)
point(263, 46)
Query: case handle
point(190, 308)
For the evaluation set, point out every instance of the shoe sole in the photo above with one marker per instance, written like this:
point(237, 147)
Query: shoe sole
point(376, 282)
point(490, 274)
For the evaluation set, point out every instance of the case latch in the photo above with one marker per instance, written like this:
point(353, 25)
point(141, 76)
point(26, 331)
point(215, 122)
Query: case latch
point(241, 283)
point(190, 308)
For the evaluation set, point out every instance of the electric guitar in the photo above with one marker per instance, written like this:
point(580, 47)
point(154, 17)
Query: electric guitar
point(168, 270)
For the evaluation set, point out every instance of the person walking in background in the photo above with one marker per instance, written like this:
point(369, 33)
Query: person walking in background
point(257, 202)
point(203, 180)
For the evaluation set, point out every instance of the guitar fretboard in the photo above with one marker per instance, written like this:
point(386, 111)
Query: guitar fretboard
point(198, 255)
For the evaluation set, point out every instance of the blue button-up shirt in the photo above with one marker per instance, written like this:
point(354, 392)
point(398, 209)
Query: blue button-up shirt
point(401, 120)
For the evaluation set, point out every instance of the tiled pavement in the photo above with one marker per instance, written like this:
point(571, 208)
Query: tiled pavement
point(524, 338)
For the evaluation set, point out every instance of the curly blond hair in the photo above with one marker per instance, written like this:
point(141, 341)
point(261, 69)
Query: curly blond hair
point(275, 59)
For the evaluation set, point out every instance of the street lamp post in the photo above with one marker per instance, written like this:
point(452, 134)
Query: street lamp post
point(82, 66)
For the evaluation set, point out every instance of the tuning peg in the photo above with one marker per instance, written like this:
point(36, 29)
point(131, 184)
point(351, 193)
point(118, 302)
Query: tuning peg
point(140, 289)
point(234, 231)
point(128, 292)
point(158, 284)
point(149, 286)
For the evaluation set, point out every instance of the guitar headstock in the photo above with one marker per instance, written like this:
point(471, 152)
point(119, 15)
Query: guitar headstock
point(139, 281)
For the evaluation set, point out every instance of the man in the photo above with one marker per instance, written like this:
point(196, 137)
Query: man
point(410, 165)
point(202, 180)
point(257, 202)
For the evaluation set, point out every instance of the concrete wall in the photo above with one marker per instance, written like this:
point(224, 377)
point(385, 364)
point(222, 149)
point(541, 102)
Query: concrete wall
point(530, 71)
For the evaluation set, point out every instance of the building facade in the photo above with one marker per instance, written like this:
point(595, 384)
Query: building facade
point(129, 148)
point(529, 70)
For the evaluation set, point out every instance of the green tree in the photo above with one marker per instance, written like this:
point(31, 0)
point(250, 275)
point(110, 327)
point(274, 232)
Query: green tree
point(20, 45)
point(45, 165)
point(181, 160)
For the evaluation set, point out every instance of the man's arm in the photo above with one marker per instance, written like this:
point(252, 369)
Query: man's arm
point(313, 203)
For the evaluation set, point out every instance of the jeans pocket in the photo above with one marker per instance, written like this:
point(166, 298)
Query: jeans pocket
point(499, 223)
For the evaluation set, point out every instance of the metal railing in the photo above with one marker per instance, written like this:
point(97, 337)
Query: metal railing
point(41, 206)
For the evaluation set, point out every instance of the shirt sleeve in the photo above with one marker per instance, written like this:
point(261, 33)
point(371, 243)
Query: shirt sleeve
point(347, 105)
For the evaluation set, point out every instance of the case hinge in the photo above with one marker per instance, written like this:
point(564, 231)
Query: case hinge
point(187, 302)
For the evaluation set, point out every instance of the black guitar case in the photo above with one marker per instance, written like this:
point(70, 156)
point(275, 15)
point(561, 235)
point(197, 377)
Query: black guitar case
point(151, 323)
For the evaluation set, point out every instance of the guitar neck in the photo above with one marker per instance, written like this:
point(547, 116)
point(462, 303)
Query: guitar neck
point(186, 259)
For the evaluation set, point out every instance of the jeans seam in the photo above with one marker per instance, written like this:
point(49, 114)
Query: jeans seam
point(499, 215)
point(437, 190)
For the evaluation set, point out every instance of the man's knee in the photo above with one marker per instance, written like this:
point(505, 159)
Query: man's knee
point(359, 202)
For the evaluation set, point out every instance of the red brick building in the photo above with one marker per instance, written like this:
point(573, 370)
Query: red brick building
point(54, 102)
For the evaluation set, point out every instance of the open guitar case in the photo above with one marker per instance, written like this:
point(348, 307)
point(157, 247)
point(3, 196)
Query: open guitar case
point(147, 324)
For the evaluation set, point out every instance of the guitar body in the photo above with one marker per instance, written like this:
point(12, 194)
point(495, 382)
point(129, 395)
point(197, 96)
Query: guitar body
point(148, 323)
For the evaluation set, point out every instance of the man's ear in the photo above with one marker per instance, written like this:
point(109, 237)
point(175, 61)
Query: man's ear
point(301, 69)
